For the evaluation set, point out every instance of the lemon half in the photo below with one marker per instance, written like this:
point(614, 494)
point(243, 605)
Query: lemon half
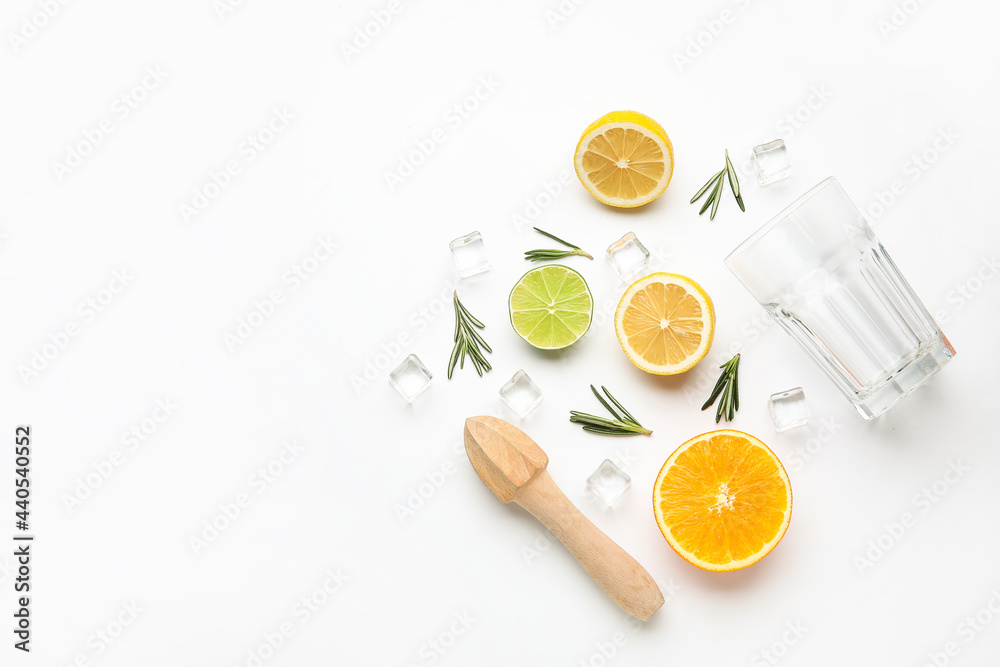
point(625, 159)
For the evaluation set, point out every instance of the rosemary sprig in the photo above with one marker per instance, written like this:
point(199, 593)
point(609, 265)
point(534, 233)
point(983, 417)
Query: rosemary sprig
point(728, 386)
point(715, 184)
point(468, 341)
point(541, 255)
point(622, 424)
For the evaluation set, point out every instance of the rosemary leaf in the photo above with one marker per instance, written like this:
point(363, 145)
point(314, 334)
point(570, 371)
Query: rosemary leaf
point(458, 320)
point(548, 253)
point(734, 182)
point(623, 424)
point(618, 405)
point(469, 315)
point(468, 341)
point(704, 188)
point(453, 360)
point(736, 386)
point(718, 197)
point(728, 387)
point(478, 340)
point(556, 238)
point(719, 386)
point(713, 198)
point(715, 187)
point(708, 200)
point(605, 403)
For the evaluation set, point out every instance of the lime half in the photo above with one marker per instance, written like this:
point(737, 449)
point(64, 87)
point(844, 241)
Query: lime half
point(551, 307)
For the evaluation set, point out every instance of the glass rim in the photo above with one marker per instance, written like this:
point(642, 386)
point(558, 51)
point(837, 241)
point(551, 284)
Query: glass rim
point(778, 218)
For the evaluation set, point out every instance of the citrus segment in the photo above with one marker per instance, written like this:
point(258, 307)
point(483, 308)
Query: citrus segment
point(665, 323)
point(624, 159)
point(722, 500)
point(551, 307)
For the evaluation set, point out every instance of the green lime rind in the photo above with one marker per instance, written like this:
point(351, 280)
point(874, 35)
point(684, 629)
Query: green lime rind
point(551, 307)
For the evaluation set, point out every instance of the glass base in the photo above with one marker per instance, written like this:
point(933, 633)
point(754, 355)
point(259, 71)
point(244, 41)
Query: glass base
point(915, 373)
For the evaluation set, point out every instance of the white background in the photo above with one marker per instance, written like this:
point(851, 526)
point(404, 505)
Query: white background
point(852, 94)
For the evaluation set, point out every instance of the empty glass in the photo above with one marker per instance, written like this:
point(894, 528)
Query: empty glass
point(821, 272)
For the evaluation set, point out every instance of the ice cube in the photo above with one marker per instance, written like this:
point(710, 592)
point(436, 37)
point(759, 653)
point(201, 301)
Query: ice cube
point(521, 394)
point(411, 378)
point(469, 254)
point(788, 409)
point(608, 482)
point(628, 257)
point(770, 161)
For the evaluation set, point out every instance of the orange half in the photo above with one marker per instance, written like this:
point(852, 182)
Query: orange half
point(722, 500)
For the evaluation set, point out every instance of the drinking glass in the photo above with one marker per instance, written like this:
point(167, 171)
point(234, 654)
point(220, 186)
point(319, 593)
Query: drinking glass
point(818, 268)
